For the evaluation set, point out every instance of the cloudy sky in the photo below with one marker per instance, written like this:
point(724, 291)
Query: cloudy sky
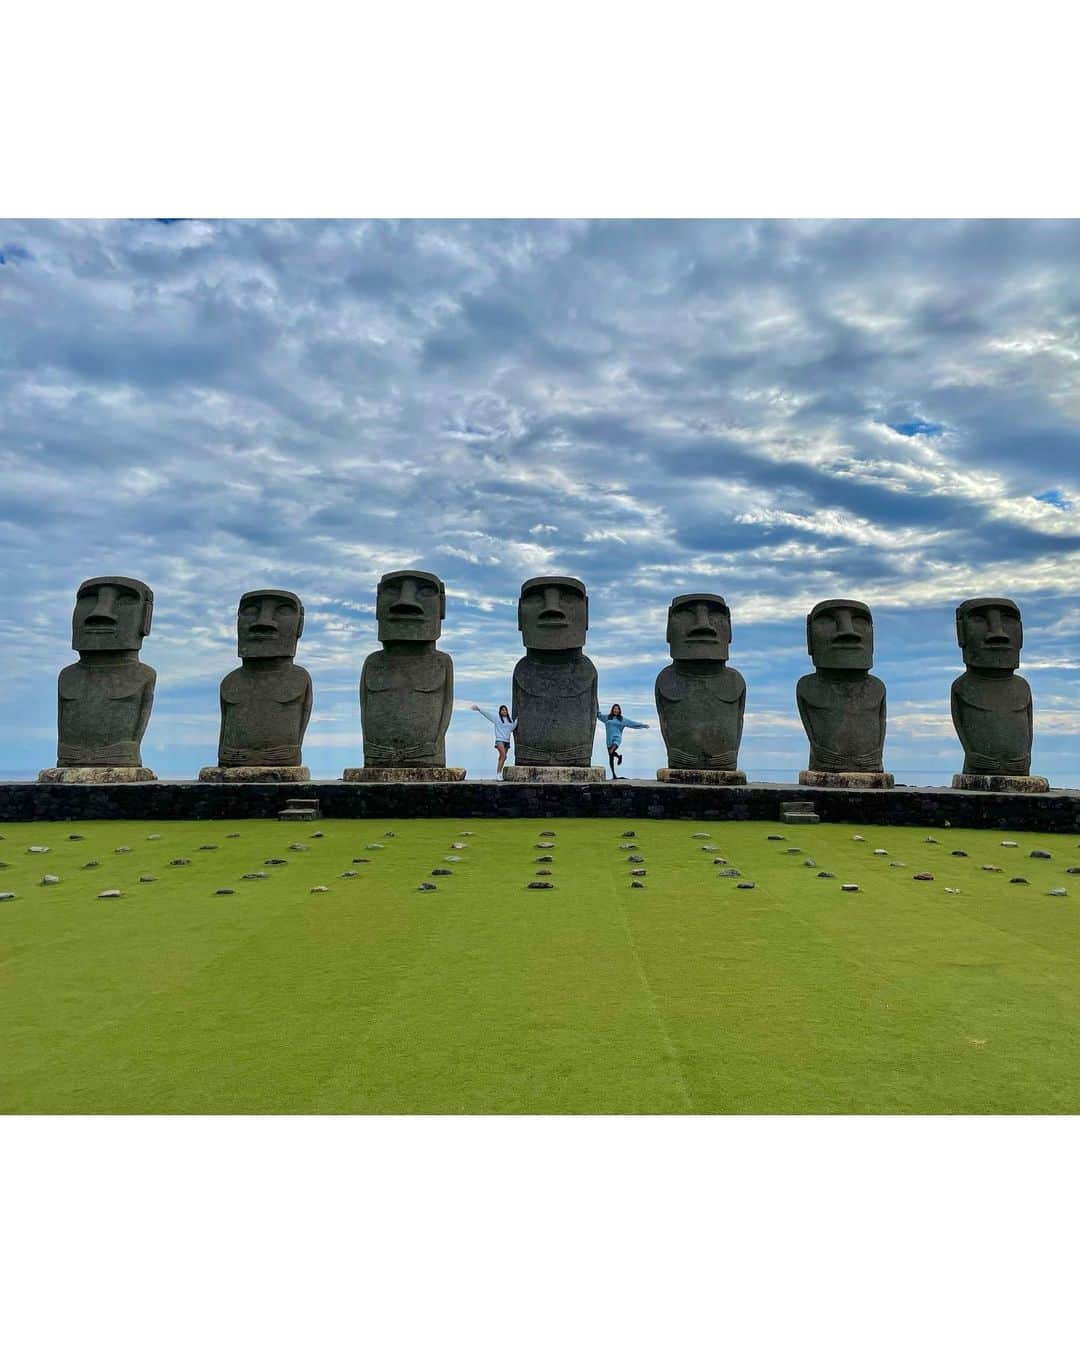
point(777, 411)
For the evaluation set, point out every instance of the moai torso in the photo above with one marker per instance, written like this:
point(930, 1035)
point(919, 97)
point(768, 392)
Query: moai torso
point(554, 702)
point(266, 702)
point(264, 714)
point(701, 706)
point(993, 719)
point(991, 705)
point(406, 697)
point(843, 713)
point(104, 699)
point(103, 712)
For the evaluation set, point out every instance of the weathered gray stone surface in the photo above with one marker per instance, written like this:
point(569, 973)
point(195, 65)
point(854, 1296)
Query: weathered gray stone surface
point(407, 689)
point(818, 778)
point(266, 701)
point(256, 773)
point(700, 699)
point(434, 774)
point(101, 775)
point(842, 706)
point(106, 696)
point(551, 773)
point(713, 777)
point(1000, 782)
point(991, 704)
point(554, 690)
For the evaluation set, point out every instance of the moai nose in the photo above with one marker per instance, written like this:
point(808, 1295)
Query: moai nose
point(407, 605)
point(552, 606)
point(845, 634)
point(265, 622)
point(703, 625)
point(103, 614)
point(995, 634)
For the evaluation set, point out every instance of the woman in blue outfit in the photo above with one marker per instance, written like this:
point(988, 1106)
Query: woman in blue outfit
point(503, 725)
point(615, 724)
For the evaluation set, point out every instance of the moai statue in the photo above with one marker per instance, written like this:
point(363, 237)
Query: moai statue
point(266, 701)
point(700, 698)
point(991, 704)
point(106, 696)
point(407, 688)
point(554, 692)
point(841, 704)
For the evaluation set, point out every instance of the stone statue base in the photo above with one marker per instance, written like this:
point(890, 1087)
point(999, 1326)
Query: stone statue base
point(102, 774)
point(706, 777)
point(256, 773)
point(553, 773)
point(431, 774)
point(1000, 782)
point(819, 778)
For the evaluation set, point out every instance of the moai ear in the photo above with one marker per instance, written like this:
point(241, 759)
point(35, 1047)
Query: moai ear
point(300, 625)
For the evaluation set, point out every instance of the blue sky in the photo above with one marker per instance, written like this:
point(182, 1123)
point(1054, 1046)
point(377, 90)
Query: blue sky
point(777, 411)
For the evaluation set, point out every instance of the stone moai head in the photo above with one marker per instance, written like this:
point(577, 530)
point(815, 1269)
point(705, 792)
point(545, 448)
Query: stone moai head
point(410, 607)
point(990, 633)
point(268, 623)
point(840, 635)
point(553, 613)
point(112, 614)
point(699, 627)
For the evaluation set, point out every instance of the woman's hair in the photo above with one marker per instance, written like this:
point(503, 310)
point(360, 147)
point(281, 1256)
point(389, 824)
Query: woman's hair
point(504, 709)
point(613, 707)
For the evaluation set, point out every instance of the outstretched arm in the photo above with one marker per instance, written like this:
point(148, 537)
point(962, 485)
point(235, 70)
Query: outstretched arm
point(483, 712)
point(601, 718)
point(641, 726)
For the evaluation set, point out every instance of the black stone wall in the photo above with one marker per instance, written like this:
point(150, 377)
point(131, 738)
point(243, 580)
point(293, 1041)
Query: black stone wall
point(1052, 812)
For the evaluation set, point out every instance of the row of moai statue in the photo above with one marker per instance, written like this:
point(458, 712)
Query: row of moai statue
point(407, 691)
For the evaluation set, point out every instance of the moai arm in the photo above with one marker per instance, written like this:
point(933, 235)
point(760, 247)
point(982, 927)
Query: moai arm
point(221, 722)
point(881, 722)
point(448, 700)
point(145, 704)
point(739, 723)
point(305, 714)
point(801, 705)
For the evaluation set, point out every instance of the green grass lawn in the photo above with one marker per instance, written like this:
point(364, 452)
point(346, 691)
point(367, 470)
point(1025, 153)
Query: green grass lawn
point(688, 995)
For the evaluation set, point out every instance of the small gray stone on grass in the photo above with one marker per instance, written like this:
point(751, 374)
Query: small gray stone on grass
point(109, 895)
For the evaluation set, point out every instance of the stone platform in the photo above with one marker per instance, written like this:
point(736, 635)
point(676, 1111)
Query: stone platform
point(1000, 782)
point(553, 773)
point(100, 774)
point(255, 773)
point(704, 777)
point(1054, 812)
point(418, 775)
point(819, 778)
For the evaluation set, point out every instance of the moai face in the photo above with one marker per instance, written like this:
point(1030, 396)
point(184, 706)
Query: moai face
point(112, 614)
point(268, 623)
point(410, 607)
point(553, 613)
point(840, 635)
point(990, 633)
point(699, 628)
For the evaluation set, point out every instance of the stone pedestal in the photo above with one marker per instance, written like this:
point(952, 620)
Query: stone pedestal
point(819, 778)
point(706, 777)
point(256, 773)
point(552, 773)
point(102, 774)
point(404, 775)
point(1000, 782)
